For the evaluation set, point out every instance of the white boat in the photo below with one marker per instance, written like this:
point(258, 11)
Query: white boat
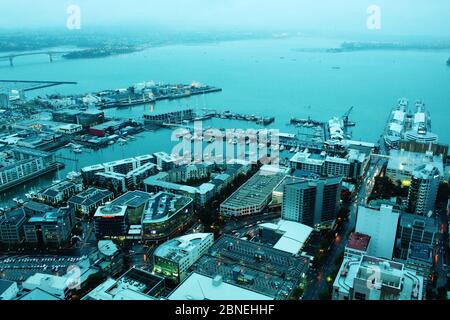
point(282, 147)
point(77, 150)
point(292, 150)
point(297, 149)
point(111, 142)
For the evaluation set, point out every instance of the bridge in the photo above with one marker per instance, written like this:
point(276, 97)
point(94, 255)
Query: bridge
point(50, 55)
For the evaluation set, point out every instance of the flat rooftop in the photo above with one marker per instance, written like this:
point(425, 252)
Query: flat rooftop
point(255, 191)
point(408, 161)
point(201, 287)
point(358, 241)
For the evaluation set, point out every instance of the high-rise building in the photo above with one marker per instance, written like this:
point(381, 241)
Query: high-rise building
point(312, 202)
point(415, 228)
point(381, 225)
point(371, 278)
point(111, 221)
point(423, 189)
point(11, 226)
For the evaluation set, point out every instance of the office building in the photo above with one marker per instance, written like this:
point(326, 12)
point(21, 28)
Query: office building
point(11, 227)
point(423, 190)
point(135, 202)
point(371, 278)
point(415, 228)
point(87, 201)
point(402, 164)
point(173, 258)
point(352, 165)
point(50, 228)
point(111, 221)
point(381, 226)
point(312, 202)
point(164, 215)
point(58, 193)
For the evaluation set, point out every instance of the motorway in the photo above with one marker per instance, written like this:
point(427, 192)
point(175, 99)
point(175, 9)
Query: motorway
point(318, 279)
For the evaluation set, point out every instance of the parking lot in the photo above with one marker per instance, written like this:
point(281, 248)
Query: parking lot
point(19, 268)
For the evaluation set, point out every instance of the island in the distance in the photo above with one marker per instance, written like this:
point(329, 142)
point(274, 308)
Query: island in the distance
point(448, 62)
point(99, 52)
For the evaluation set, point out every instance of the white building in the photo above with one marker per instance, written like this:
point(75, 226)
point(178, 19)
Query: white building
point(370, 278)
point(57, 286)
point(200, 287)
point(173, 258)
point(423, 190)
point(381, 226)
point(402, 164)
point(294, 235)
point(8, 290)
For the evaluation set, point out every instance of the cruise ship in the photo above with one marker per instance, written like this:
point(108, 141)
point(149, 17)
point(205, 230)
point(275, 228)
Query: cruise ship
point(396, 124)
point(419, 128)
point(406, 126)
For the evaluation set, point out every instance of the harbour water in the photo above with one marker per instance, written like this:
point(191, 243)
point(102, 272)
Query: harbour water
point(274, 77)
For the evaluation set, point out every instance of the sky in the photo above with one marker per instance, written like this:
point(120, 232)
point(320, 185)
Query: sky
point(398, 17)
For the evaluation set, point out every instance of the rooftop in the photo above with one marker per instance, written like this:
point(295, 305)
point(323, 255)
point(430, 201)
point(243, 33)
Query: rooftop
point(294, 235)
point(162, 206)
point(409, 161)
point(201, 287)
point(132, 199)
point(358, 241)
point(179, 248)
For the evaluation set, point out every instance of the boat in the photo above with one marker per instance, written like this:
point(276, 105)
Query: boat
point(419, 126)
point(282, 147)
point(292, 150)
point(395, 126)
point(111, 142)
point(78, 150)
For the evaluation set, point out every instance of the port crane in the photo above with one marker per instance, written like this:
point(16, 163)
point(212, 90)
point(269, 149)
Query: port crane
point(345, 118)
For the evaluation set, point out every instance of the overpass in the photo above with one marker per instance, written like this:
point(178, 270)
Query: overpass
point(50, 55)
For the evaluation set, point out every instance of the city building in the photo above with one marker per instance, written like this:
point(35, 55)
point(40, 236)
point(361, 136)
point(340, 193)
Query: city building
point(87, 201)
point(285, 235)
point(135, 202)
point(11, 226)
point(27, 164)
point(173, 258)
point(55, 285)
point(255, 194)
point(201, 287)
point(253, 266)
point(165, 214)
point(402, 164)
point(312, 202)
point(352, 165)
point(159, 118)
point(50, 228)
point(420, 259)
point(32, 208)
point(381, 226)
point(105, 128)
point(415, 228)
point(58, 193)
point(108, 258)
point(135, 284)
point(38, 295)
point(8, 290)
point(371, 278)
point(164, 161)
point(111, 221)
point(357, 245)
point(88, 118)
point(423, 190)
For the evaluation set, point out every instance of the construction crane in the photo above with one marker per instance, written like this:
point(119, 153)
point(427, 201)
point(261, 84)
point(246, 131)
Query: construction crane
point(345, 118)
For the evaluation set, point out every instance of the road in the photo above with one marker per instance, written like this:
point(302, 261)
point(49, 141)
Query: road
point(317, 279)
